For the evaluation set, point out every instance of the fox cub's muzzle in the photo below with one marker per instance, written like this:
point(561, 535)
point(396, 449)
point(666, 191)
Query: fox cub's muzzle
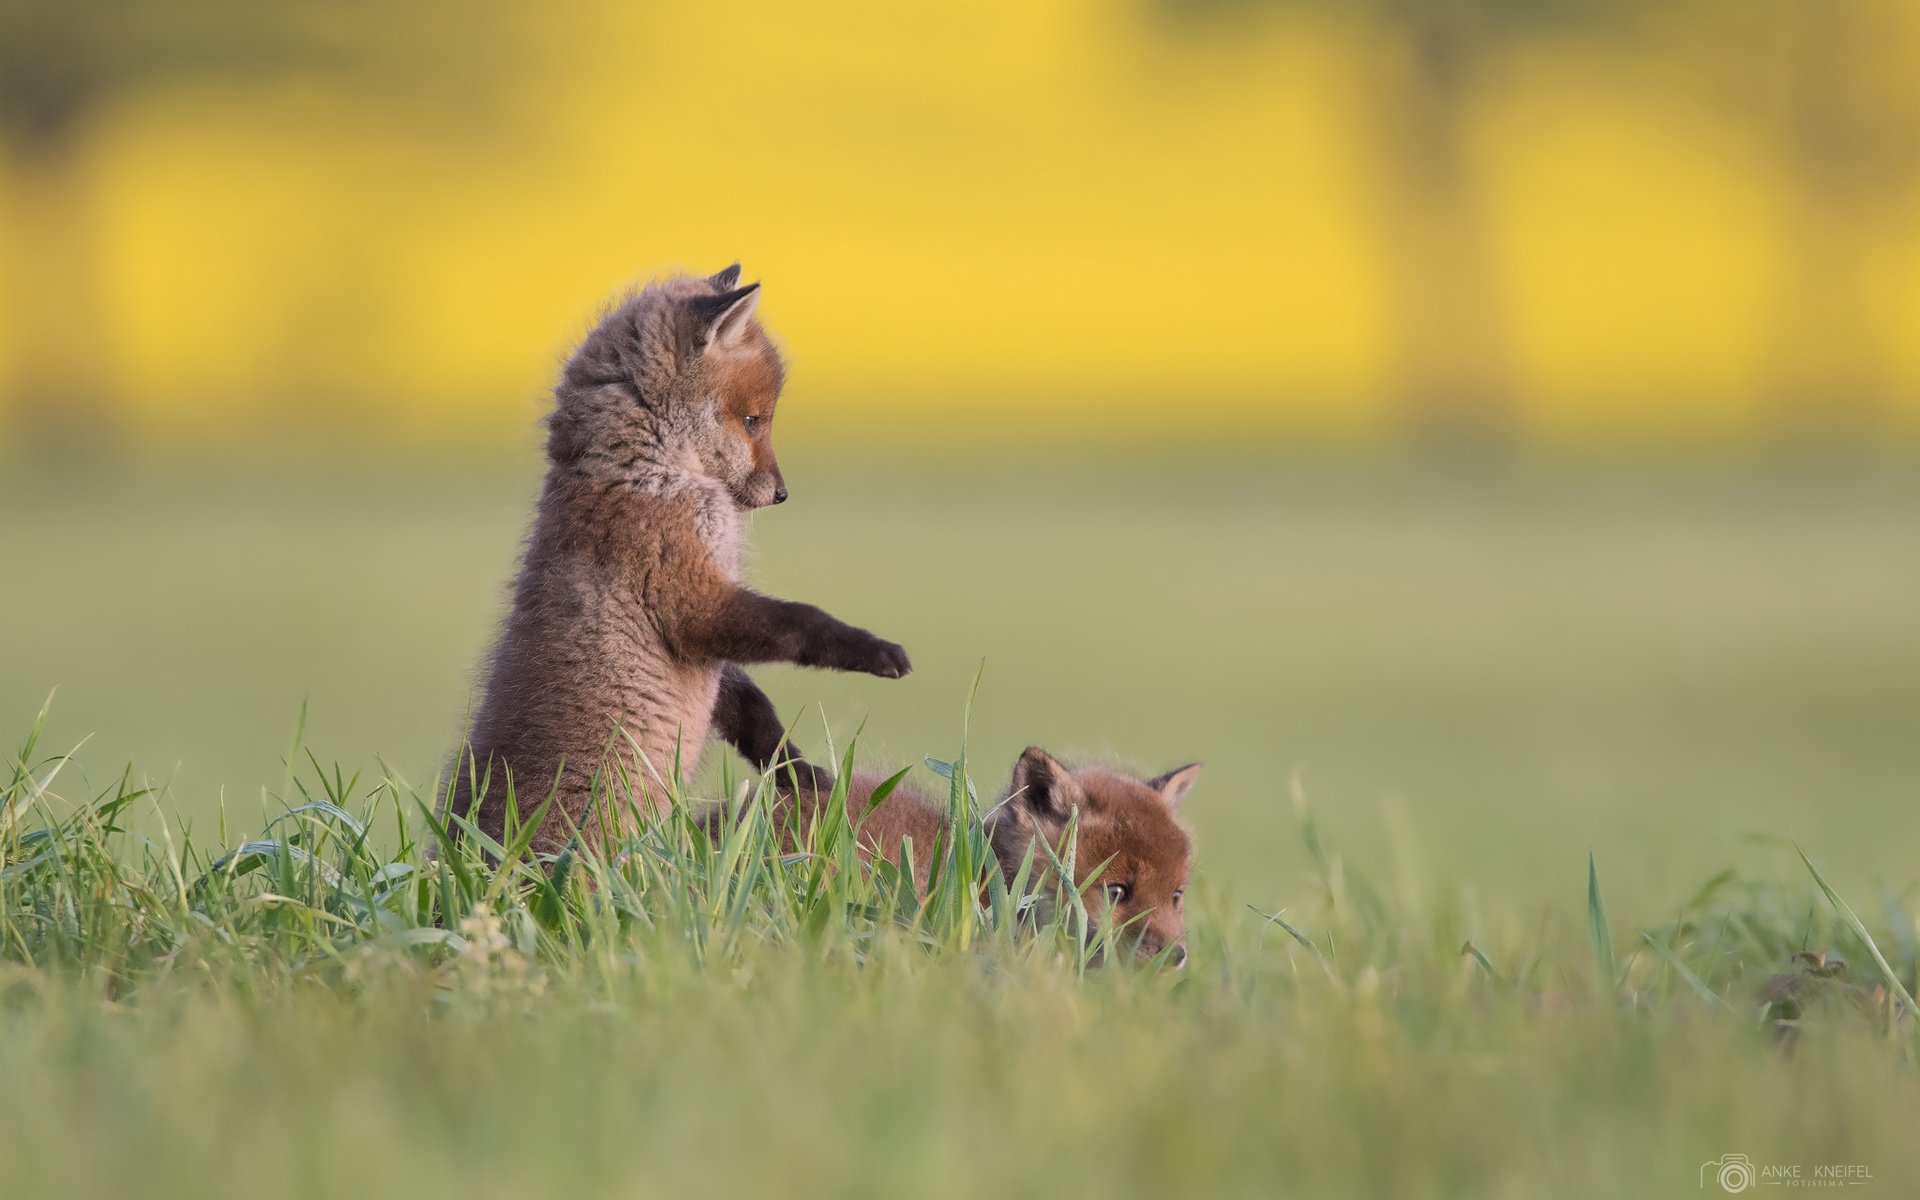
point(758, 481)
point(761, 488)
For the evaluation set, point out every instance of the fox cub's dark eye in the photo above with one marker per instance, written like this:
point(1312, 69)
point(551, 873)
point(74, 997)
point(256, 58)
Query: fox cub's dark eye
point(1176, 897)
point(753, 424)
point(1118, 892)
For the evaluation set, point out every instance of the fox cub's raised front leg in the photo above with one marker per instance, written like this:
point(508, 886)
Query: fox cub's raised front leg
point(747, 627)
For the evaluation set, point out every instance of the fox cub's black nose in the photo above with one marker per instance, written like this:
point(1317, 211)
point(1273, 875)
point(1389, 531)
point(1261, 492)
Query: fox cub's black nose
point(780, 495)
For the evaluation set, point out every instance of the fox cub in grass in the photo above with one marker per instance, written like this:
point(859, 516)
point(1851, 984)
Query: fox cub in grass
point(629, 623)
point(1129, 839)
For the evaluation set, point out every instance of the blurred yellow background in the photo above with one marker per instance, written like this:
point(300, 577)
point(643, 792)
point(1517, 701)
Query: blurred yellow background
point(1556, 222)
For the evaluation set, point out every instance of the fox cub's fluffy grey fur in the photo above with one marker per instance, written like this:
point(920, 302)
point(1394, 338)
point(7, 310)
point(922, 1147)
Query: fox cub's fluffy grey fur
point(629, 621)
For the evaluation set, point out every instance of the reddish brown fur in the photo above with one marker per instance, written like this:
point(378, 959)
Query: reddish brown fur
point(749, 388)
point(1129, 841)
point(1129, 835)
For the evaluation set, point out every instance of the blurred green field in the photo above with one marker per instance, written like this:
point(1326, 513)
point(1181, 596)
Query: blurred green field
point(1495, 674)
point(1474, 680)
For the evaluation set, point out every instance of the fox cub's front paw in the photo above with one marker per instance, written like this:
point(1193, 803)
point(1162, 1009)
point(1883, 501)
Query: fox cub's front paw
point(887, 660)
point(857, 650)
point(877, 656)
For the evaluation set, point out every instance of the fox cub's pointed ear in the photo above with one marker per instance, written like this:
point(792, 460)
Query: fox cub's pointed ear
point(726, 280)
point(720, 322)
point(1044, 788)
point(1173, 786)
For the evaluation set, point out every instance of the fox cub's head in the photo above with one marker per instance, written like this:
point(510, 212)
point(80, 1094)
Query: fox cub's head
point(1129, 842)
point(679, 378)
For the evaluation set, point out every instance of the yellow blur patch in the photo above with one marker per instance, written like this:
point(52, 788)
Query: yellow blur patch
point(1044, 212)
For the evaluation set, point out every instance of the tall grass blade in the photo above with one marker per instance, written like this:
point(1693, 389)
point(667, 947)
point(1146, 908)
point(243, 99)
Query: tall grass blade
point(1597, 931)
point(1854, 923)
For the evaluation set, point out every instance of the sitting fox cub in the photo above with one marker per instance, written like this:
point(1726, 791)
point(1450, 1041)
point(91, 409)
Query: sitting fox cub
point(629, 621)
point(1128, 831)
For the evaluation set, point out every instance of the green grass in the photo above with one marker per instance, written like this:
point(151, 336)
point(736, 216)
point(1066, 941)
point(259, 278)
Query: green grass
point(1499, 842)
point(325, 1009)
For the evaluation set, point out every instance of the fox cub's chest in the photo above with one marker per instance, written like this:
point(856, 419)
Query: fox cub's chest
point(717, 522)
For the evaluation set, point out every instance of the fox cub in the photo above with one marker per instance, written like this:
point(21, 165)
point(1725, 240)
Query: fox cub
point(1129, 832)
point(629, 623)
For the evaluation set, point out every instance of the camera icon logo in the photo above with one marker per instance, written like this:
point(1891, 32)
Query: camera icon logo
point(1733, 1172)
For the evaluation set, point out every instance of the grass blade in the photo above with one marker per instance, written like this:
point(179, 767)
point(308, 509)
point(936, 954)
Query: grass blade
point(1597, 931)
point(1686, 973)
point(1860, 931)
